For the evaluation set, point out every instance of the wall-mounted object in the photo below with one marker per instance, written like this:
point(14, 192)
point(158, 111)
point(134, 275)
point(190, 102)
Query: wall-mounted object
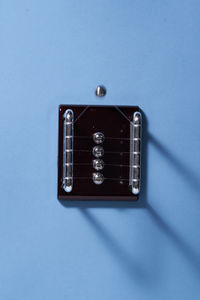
point(99, 156)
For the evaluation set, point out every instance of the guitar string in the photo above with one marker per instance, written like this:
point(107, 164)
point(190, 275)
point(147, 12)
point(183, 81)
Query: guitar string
point(108, 152)
point(106, 138)
point(118, 109)
point(105, 178)
point(83, 111)
point(114, 138)
point(105, 164)
point(108, 178)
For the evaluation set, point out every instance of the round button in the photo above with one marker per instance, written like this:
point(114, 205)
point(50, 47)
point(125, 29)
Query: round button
point(98, 178)
point(98, 137)
point(98, 151)
point(100, 91)
point(98, 164)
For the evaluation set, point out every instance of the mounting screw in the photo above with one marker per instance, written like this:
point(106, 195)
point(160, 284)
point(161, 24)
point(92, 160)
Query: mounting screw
point(100, 91)
point(98, 178)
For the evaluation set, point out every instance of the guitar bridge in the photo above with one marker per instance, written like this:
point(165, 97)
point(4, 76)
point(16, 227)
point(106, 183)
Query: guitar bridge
point(99, 155)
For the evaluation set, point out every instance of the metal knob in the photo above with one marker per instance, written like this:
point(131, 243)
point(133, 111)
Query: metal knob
point(98, 151)
point(98, 137)
point(98, 164)
point(100, 91)
point(98, 178)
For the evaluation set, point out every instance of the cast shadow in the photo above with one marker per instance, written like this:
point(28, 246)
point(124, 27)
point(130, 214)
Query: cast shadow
point(191, 256)
point(124, 258)
point(122, 255)
point(184, 171)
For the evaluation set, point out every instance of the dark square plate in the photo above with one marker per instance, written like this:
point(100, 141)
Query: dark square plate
point(115, 124)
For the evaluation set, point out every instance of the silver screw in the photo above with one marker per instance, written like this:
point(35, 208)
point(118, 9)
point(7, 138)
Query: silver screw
point(100, 91)
point(98, 164)
point(98, 137)
point(98, 151)
point(98, 178)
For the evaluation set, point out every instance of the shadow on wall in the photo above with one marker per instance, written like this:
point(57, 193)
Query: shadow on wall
point(123, 257)
point(191, 257)
point(183, 170)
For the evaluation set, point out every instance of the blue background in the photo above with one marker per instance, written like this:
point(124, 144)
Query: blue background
point(146, 53)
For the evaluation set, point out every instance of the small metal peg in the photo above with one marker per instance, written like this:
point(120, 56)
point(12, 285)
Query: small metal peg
point(98, 164)
point(98, 178)
point(98, 137)
point(98, 151)
point(100, 91)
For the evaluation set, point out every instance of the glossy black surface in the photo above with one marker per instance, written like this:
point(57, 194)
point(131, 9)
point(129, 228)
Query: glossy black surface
point(114, 123)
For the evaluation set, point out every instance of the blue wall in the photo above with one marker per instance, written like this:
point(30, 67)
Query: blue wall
point(146, 53)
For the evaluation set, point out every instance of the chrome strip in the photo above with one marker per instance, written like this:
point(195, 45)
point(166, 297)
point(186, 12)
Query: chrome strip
point(68, 133)
point(135, 149)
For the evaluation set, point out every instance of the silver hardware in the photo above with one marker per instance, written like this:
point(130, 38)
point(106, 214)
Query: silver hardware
point(100, 91)
point(68, 150)
point(135, 152)
point(98, 151)
point(98, 137)
point(98, 164)
point(98, 178)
